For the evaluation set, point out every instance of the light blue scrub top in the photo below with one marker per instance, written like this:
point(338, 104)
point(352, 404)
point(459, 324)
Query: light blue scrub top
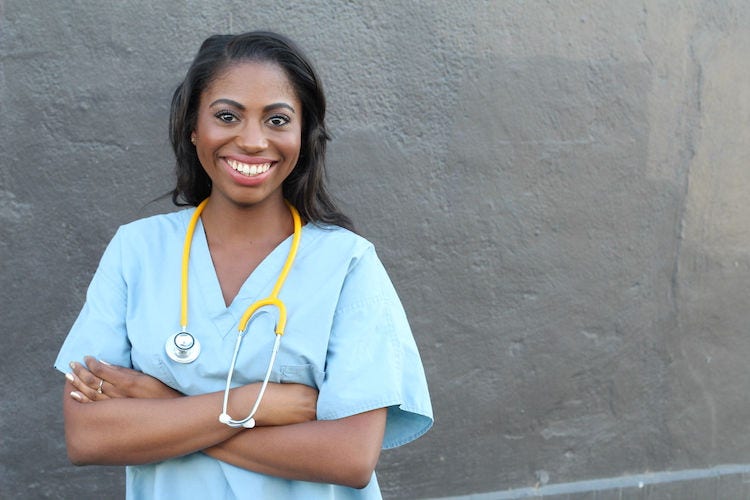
point(346, 335)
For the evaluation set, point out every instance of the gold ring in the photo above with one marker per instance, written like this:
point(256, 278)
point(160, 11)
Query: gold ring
point(101, 383)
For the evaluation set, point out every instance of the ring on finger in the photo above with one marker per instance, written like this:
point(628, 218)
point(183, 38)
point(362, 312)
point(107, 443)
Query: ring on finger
point(101, 383)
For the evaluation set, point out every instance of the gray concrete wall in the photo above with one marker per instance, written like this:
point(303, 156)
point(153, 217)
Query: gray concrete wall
point(559, 189)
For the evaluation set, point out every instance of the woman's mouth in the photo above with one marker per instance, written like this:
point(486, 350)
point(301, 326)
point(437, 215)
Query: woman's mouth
point(249, 170)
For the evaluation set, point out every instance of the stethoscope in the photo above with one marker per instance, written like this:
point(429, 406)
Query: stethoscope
point(183, 347)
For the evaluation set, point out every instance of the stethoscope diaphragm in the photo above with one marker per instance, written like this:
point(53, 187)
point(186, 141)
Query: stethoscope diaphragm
point(182, 347)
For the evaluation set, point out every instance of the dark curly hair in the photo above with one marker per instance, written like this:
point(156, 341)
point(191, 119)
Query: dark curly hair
point(305, 186)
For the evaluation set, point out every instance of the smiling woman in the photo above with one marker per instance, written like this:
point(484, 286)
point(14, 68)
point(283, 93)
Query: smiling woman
point(248, 134)
point(248, 130)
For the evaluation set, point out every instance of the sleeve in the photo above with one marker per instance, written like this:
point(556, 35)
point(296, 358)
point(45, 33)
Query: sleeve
point(372, 360)
point(100, 328)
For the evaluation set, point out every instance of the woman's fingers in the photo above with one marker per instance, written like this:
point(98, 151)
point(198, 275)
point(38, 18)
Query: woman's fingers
point(123, 382)
point(100, 381)
point(121, 379)
point(87, 387)
point(100, 369)
point(84, 375)
point(78, 396)
point(115, 382)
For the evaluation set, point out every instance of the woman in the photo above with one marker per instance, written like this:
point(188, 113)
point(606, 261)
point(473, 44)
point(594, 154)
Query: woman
point(247, 127)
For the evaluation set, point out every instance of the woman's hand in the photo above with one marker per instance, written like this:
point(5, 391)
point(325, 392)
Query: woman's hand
point(285, 404)
point(97, 381)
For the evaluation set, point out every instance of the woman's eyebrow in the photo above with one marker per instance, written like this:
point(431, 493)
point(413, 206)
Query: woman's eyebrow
point(230, 102)
point(241, 107)
point(279, 105)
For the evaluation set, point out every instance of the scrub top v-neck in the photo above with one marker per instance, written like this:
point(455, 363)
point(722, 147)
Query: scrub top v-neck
point(226, 318)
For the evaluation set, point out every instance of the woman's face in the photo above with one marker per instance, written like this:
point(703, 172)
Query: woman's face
point(248, 132)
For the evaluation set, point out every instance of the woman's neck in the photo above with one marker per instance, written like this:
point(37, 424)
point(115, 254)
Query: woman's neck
point(229, 224)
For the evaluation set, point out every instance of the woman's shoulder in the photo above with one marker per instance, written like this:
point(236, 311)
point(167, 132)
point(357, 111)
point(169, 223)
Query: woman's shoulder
point(337, 238)
point(157, 227)
point(339, 248)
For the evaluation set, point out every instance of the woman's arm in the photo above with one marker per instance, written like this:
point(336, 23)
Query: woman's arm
point(137, 419)
point(135, 431)
point(343, 451)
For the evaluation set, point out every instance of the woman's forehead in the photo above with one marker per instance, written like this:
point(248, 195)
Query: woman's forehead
point(253, 79)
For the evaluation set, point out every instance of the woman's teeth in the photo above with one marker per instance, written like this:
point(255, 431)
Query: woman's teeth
point(244, 168)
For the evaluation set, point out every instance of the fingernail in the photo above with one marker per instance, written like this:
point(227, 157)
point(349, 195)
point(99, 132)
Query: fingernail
point(76, 395)
point(104, 362)
point(72, 365)
point(70, 377)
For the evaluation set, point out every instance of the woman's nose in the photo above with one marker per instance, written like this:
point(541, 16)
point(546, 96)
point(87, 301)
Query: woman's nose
point(252, 137)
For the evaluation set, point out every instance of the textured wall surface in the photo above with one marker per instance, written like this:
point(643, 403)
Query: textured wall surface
point(559, 190)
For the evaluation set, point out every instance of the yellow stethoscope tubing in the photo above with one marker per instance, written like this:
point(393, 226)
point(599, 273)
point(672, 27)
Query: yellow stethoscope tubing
point(273, 298)
point(186, 263)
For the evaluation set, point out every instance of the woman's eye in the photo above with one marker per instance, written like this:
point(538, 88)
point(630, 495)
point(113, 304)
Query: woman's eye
point(226, 116)
point(278, 120)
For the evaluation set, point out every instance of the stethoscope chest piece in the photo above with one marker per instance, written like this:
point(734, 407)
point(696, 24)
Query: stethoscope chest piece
point(182, 347)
